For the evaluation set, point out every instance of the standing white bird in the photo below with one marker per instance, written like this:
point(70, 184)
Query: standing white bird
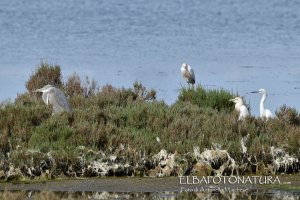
point(157, 139)
point(263, 112)
point(52, 95)
point(240, 107)
point(188, 74)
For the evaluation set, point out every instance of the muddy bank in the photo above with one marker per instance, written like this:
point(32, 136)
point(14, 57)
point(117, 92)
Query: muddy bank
point(134, 184)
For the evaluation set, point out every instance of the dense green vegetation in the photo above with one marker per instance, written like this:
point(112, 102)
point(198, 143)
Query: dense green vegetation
point(206, 97)
point(122, 121)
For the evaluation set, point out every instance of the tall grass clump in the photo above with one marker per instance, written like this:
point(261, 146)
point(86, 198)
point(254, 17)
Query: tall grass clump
point(206, 97)
point(45, 73)
point(74, 86)
point(288, 115)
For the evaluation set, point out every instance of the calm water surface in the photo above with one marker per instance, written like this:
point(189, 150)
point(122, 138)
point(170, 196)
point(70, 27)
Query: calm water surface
point(258, 194)
point(236, 45)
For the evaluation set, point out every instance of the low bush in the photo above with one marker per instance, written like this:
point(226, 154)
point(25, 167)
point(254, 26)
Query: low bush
point(207, 97)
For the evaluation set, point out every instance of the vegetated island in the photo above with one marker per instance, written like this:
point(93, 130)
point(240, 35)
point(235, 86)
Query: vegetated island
point(113, 132)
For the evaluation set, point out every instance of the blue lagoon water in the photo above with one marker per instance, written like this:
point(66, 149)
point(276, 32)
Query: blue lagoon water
point(237, 45)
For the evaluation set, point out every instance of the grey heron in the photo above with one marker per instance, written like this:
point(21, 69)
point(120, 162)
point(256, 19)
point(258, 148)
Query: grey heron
point(263, 112)
point(54, 96)
point(188, 73)
point(240, 107)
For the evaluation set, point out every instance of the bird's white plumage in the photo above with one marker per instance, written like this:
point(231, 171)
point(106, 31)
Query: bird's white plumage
point(188, 73)
point(263, 112)
point(240, 107)
point(157, 139)
point(268, 114)
point(243, 112)
point(47, 100)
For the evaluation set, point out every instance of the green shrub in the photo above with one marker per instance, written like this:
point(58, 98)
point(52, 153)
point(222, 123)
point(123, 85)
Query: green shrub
point(44, 74)
point(214, 98)
point(74, 86)
point(288, 115)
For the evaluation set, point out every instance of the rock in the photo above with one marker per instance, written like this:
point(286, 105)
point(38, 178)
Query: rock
point(271, 169)
point(215, 156)
point(90, 172)
point(165, 161)
point(27, 171)
point(63, 176)
point(154, 172)
point(162, 155)
point(282, 161)
point(13, 173)
point(48, 173)
point(2, 174)
point(166, 171)
point(178, 171)
point(199, 170)
point(242, 168)
point(139, 173)
point(43, 177)
point(219, 171)
point(129, 171)
point(18, 171)
point(141, 170)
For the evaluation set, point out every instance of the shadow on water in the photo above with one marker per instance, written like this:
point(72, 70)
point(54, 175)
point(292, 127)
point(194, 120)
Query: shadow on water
point(212, 193)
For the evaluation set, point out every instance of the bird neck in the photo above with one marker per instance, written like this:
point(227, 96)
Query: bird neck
point(47, 99)
point(238, 106)
point(262, 108)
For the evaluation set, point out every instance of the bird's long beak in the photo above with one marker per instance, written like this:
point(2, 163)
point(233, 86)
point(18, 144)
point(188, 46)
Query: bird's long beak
point(254, 92)
point(231, 99)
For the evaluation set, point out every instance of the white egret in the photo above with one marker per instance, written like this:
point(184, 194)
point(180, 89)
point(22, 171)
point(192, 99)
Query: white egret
point(240, 107)
point(52, 95)
point(263, 112)
point(157, 139)
point(188, 74)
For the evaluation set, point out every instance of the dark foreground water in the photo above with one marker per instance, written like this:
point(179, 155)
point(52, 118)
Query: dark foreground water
point(225, 193)
point(237, 45)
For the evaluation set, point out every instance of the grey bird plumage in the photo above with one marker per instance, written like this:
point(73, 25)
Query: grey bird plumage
point(52, 95)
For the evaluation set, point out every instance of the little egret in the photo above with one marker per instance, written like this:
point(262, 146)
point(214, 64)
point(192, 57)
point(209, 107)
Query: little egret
point(188, 74)
point(157, 139)
point(240, 107)
point(52, 95)
point(263, 112)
